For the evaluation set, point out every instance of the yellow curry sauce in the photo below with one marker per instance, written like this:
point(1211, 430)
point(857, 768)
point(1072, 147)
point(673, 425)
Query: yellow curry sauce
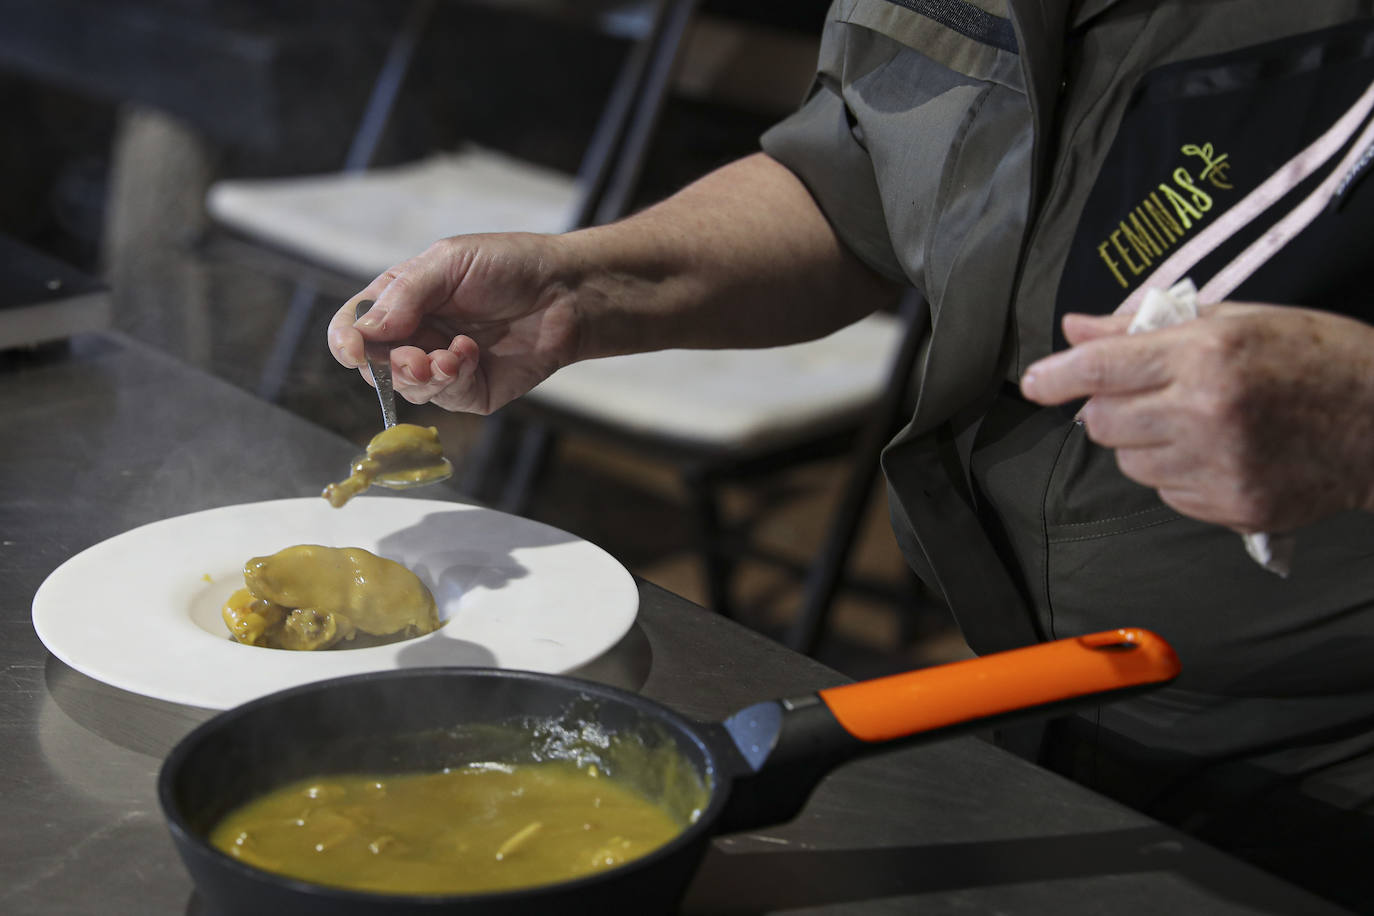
point(477, 828)
point(404, 455)
point(312, 597)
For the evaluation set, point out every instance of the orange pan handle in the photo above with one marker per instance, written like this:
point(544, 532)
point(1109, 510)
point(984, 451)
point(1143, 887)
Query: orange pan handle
point(965, 692)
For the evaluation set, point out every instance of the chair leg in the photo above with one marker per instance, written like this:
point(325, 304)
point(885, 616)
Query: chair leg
point(382, 100)
point(361, 151)
point(481, 466)
point(824, 576)
point(288, 339)
point(621, 185)
point(536, 444)
point(718, 566)
point(599, 161)
point(827, 570)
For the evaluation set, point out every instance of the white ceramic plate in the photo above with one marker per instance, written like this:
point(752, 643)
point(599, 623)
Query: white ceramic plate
point(141, 611)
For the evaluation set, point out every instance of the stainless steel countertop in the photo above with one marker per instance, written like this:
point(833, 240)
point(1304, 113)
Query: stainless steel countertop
point(111, 435)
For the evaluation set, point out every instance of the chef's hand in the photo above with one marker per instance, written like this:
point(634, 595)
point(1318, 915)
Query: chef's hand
point(741, 257)
point(1256, 417)
point(474, 321)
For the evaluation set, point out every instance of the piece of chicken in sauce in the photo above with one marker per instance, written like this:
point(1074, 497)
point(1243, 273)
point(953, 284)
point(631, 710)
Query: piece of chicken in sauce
point(311, 597)
point(404, 455)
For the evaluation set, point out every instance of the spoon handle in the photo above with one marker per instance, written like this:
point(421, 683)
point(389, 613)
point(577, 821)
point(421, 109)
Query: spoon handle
point(379, 363)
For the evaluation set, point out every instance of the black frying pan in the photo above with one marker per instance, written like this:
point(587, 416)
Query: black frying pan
point(759, 765)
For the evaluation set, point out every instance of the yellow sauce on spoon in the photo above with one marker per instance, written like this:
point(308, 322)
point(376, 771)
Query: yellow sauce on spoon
point(400, 456)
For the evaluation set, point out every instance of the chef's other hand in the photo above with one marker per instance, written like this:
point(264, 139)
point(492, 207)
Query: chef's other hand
point(1256, 417)
point(474, 321)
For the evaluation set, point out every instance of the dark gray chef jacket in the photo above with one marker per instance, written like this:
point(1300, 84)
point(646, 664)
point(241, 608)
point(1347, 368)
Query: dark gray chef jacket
point(1014, 161)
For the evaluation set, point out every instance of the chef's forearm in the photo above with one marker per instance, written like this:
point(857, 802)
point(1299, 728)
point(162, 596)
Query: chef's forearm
point(742, 257)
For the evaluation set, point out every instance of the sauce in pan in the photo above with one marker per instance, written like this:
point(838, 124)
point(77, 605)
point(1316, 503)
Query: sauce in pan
point(480, 827)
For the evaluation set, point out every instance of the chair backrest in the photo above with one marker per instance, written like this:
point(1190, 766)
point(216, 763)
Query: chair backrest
point(362, 219)
point(346, 227)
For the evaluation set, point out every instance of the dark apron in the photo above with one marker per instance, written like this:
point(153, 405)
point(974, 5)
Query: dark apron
point(926, 141)
point(1265, 745)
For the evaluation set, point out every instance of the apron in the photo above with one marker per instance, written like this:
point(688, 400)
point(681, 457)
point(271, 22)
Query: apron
point(952, 157)
point(1265, 745)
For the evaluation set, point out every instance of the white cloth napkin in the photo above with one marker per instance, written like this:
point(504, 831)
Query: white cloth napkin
point(1160, 309)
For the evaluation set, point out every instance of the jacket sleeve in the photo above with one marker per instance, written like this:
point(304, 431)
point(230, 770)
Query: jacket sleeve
point(915, 141)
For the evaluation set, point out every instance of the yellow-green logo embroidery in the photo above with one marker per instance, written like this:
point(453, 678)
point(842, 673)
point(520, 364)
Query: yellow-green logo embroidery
point(1214, 168)
point(1159, 222)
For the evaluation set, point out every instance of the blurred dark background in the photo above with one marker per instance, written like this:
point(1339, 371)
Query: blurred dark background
point(120, 113)
point(273, 88)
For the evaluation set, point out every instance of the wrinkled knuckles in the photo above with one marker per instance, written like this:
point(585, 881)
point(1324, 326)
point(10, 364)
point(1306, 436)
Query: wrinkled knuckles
point(400, 292)
point(1219, 405)
point(1227, 340)
point(439, 250)
point(456, 249)
point(1140, 465)
point(1092, 369)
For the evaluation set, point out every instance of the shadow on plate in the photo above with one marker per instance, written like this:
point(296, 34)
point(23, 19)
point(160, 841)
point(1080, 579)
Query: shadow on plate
point(439, 650)
point(461, 551)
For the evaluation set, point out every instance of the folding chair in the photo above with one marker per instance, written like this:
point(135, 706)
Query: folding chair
point(338, 228)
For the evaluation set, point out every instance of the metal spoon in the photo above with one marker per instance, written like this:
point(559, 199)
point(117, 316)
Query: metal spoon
point(379, 363)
